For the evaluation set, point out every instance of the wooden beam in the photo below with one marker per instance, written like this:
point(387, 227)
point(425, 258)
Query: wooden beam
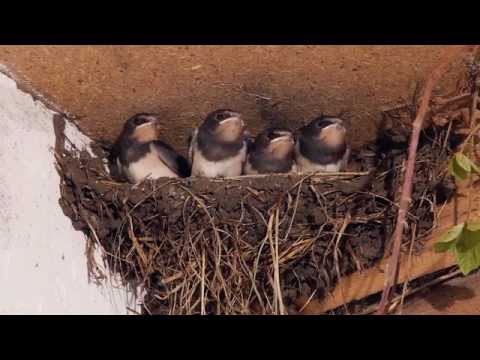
point(371, 281)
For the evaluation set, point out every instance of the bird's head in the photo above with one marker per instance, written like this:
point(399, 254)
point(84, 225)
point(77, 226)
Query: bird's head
point(142, 127)
point(278, 142)
point(225, 125)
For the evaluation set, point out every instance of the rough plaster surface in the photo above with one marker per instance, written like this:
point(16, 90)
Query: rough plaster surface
point(104, 85)
point(42, 263)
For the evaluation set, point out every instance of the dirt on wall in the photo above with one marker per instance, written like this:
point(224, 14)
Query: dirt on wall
point(101, 86)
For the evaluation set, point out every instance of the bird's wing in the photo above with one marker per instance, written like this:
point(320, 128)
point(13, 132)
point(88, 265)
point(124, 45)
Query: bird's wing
point(346, 158)
point(114, 165)
point(249, 141)
point(191, 145)
point(115, 151)
point(169, 157)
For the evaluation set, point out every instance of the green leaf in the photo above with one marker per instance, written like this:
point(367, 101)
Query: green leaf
point(473, 225)
point(468, 240)
point(456, 170)
point(448, 240)
point(464, 241)
point(443, 246)
point(464, 162)
point(469, 259)
point(475, 168)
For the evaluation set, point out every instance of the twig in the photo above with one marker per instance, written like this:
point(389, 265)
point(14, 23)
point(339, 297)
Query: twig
point(217, 237)
point(277, 266)
point(137, 246)
point(405, 199)
point(469, 137)
point(294, 211)
point(276, 270)
point(440, 104)
point(319, 174)
point(308, 301)
point(335, 251)
point(133, 311)
point(255, 270)
point(202, 296)
point(410, 255)
point(413, 291)
point(475, 128)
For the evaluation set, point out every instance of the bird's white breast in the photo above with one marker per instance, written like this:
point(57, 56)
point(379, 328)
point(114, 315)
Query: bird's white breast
point(225, 168)
point(150, 166)
point(304, 165)
point(249, 170)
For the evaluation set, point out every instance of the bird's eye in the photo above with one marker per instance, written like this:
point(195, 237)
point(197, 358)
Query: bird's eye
point(271, 136)
point(138, 121)
point(221, 116)
point(323, 123)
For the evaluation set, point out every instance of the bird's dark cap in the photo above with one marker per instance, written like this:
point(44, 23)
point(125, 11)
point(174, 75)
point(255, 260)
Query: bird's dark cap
point(269, 135)
point(326, 120)
point(278, 142)
point(140, 119)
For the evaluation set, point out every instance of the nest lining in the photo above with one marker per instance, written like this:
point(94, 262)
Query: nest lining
point(252, 244)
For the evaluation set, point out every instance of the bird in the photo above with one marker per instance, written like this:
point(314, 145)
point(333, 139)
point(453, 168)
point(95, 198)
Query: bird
point(272, 152)
point(138, 152)
point(218, 147)
point(322, 146)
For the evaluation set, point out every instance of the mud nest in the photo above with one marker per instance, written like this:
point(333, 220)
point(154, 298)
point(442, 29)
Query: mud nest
point(251, 244)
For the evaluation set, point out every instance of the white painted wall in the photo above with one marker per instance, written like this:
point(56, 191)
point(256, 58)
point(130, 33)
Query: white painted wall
point(42, 263)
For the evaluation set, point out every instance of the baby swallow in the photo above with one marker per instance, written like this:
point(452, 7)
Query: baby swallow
point(218, 148)
point(138, 153)
point(272, 152)
point(322, 146)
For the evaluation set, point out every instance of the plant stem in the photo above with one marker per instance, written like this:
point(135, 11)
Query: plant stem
point(405, 199)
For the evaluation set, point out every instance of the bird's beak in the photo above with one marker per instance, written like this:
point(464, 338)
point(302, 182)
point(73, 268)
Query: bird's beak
point(148, 131)
point(281, 146)
point(231, 129)
point(337, 126)
point(283, 139)
point(340, 126)
point(234, 118)
point(154, 120)
point(334, 134)
point(151, 120)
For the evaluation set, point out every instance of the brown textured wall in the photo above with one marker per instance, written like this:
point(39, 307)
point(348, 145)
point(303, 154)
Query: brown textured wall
point(104, 85)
